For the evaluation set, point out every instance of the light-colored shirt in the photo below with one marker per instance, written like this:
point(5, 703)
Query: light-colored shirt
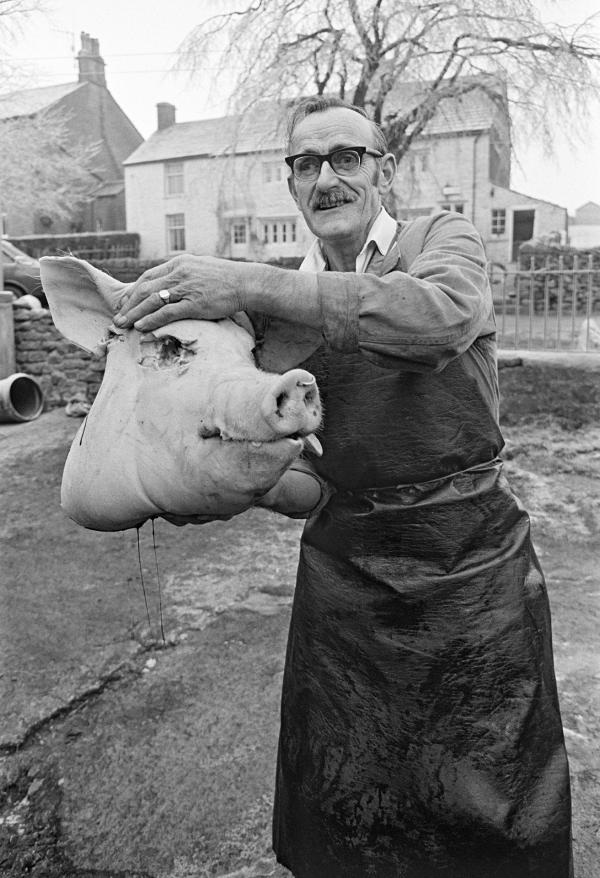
point(380, 237)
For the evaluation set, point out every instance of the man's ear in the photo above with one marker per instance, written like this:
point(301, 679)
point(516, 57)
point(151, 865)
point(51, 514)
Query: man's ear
point(387, 172)
point(292, 187)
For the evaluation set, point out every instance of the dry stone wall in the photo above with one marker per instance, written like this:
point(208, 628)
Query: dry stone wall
point(63, 370)
point(533, 384)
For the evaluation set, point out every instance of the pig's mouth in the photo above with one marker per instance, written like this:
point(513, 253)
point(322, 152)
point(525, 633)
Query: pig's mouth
point(302, 442)
point(308, 443)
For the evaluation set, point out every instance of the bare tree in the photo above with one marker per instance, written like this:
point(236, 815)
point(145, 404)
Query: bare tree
point(364, 49)
point(42, 170)
point(13, 15)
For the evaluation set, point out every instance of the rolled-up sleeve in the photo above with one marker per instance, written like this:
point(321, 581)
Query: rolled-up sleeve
point(420, 318)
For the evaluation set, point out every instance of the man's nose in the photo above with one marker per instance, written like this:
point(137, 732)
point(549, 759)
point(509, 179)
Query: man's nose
point(327, 176)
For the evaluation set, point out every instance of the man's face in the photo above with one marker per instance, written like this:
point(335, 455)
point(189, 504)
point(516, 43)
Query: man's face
point(340, 209)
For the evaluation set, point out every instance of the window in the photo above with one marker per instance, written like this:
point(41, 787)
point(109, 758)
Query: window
point(457, 207)
point(273, 172)
point(498, 221)
point(174, 178)
point(238, 233)
point(175, 232)
point(281, 232)
point(419, 161)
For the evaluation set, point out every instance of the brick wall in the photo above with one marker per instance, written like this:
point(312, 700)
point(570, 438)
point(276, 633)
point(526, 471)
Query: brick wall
point(62, 369)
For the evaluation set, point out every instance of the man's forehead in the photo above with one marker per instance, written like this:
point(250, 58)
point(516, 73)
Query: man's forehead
point(332, 128)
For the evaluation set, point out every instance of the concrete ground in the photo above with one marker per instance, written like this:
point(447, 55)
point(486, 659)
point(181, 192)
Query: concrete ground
point(123, 754)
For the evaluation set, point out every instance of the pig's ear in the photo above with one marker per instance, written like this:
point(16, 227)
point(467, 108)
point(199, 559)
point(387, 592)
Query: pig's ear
point(285, 345)
point(82, 299)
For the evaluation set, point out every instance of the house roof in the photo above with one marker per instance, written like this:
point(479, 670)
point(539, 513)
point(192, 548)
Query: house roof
point(473, 110)
point(106, 190)
point(33, 100)
point(256, 132)
point(263, 129)
point(531, 198)
point(588, 206)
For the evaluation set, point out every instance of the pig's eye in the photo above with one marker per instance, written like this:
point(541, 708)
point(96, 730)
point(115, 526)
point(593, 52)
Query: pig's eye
point(170, 349)
point(208, 432)
point(164, 353)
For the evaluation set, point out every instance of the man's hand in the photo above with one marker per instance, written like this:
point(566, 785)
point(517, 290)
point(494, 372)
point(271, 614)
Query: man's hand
point(182, 520)
point(296, 494)
point(200, 287)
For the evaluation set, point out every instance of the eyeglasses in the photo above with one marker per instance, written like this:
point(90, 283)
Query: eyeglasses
point(307, 165)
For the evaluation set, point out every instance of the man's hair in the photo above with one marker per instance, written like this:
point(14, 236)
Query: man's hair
point(318, 104)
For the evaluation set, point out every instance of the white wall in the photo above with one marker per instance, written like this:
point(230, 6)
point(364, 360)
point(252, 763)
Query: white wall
point(462, 162)
point(548, 218)
point(218, 192)
point(584, 236)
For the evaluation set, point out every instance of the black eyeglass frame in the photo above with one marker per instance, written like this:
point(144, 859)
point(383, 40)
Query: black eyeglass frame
point(360, 150)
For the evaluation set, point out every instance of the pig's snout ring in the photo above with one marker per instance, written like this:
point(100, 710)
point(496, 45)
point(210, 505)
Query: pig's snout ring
point(165, 296)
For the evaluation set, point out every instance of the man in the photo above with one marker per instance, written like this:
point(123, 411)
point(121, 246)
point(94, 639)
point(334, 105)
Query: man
point(420, 730)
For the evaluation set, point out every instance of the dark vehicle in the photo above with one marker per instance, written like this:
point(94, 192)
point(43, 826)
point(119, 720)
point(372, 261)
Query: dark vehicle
point(21, 273)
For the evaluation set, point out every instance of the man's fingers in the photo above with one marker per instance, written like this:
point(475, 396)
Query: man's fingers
point(181, 520)
point(167, 314)
point(157, 271)
point(154, 279)
point(132, 312)
point(151, 281)
point(142, 292)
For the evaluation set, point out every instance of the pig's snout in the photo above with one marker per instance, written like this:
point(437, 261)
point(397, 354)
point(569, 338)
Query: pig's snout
point(293, 404)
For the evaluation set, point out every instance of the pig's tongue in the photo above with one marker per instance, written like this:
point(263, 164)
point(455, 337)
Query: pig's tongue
point(311, 443)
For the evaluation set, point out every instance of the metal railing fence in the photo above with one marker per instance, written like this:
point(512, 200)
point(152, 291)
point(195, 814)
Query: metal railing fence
point(554, 306)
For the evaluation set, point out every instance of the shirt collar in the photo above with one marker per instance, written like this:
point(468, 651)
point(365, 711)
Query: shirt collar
point(381, 235)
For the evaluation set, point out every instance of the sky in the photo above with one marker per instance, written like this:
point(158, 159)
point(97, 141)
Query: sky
point(139, 42)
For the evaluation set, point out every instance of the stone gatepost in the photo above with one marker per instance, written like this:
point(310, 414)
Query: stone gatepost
point(7, 336)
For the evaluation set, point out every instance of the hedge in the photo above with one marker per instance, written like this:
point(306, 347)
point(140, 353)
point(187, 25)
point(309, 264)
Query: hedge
point(85, 245)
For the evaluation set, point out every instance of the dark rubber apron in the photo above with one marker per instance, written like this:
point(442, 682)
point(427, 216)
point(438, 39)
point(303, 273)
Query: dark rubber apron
point(420, 729)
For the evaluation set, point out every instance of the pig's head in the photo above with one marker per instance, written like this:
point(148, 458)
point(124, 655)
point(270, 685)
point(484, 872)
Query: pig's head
point(184, 424)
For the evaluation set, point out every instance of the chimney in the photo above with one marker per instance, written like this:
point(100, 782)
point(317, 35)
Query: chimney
point(165, 115)
point(91, 65)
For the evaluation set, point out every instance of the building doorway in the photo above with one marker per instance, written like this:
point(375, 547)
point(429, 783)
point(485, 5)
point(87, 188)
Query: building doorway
point(523, 221)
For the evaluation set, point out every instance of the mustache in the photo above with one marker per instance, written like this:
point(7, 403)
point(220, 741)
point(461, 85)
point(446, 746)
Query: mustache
point(332, 198)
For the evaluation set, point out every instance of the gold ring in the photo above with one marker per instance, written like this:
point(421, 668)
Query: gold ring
point(165, 296)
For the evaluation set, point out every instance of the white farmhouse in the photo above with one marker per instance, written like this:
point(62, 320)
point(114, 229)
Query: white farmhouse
point(218, 186)
point(584, 226)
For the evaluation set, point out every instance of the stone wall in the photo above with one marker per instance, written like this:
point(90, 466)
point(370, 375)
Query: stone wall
point(63, 370)
point(85, 245)
point(564, 387)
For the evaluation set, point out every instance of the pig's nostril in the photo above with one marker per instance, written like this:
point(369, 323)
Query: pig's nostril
point(280, 401)
point(292, 403)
